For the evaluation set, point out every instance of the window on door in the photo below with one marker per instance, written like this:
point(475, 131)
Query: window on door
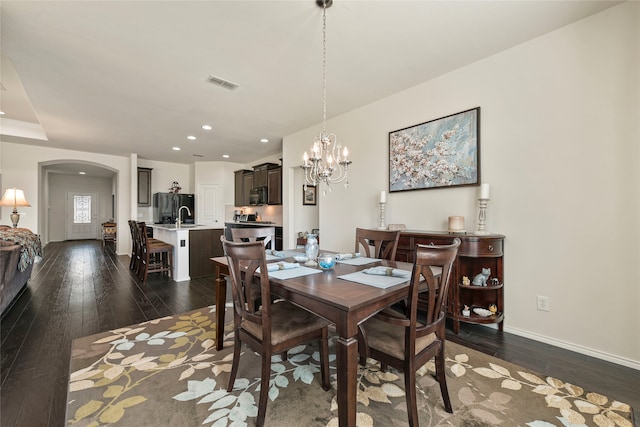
point(81, 209)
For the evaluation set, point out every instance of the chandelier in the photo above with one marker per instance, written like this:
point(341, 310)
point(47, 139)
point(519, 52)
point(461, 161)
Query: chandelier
point(328, 162)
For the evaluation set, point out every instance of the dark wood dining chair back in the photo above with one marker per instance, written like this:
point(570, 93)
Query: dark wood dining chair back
point(385, 243)
point(264, 234)
point(406, 341)
point(273, 329)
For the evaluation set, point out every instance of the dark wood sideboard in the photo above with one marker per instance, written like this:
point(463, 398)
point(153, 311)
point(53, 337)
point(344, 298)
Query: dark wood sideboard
point(476, 252)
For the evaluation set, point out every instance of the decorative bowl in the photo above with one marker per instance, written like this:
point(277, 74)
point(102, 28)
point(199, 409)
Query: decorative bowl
point(482, 312)
point(326, 261)
point(301, 258)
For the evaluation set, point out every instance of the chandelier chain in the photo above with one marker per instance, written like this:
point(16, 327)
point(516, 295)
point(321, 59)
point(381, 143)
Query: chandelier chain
point(329, 162)
point(324, 66)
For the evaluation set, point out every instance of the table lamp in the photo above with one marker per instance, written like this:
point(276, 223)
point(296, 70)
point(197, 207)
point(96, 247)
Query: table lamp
point(14, 197)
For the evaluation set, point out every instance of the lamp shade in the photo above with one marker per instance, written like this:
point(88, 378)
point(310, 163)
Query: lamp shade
point(14, 197)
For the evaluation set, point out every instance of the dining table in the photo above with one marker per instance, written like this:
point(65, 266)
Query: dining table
point(343, 302)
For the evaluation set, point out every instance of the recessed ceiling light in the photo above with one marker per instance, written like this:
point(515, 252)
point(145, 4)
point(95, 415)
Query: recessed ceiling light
point(206, 127)
point(82, 173)
point(264, 140)
point(176, 148)
point(191, 137)
point(226, 156)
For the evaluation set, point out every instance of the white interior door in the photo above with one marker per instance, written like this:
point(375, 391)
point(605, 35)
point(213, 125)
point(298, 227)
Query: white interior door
point(208, 205)
point(82, 216)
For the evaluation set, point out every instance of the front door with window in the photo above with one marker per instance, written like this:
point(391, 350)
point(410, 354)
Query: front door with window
point(82, 216)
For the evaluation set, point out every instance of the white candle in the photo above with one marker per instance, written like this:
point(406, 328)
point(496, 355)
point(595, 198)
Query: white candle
point(383, 196)
point(484, 191)
point(456, 223)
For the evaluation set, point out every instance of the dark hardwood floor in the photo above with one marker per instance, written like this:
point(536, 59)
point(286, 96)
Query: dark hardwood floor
point(78, 289)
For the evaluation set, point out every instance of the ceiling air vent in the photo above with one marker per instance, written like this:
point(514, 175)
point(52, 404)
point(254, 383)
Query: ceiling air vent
point(222, 83)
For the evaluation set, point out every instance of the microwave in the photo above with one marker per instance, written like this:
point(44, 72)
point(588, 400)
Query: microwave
point(258, 196)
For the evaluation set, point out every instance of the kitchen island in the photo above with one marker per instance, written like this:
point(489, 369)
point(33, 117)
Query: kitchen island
point(193, 247)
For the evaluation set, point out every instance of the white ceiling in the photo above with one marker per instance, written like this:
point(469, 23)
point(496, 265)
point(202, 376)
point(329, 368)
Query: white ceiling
point(121, 77)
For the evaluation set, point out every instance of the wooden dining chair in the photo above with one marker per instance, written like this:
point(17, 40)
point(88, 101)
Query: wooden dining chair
point(276, 327)
point(384, 242)
point(256, 234)
point(406, 341)
point(266, 235)
point(156, 256)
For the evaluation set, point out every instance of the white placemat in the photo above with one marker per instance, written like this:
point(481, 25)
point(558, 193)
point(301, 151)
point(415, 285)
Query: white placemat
point(361, 260)
point(293, 272)
point(382, 282)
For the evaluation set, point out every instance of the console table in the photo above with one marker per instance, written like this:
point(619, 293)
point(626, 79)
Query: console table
point(475, 253)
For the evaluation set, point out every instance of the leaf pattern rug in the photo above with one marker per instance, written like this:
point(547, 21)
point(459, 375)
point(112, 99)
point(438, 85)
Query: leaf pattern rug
point(166, 372)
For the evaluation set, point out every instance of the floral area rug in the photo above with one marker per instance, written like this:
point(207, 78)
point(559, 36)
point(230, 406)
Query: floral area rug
point(166, 372)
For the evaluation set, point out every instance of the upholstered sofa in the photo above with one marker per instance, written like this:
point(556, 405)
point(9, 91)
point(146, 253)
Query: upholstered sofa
point(18, 250)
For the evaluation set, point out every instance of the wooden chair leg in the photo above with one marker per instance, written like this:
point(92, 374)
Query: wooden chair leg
point(442, 380)
point(410, 392)
point(237, 344)
point(170, 263)
point(264, 388)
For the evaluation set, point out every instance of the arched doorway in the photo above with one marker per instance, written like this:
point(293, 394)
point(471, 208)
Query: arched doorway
point(65, 184)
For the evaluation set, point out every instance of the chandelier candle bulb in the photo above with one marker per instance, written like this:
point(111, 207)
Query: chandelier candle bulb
point(484, 191)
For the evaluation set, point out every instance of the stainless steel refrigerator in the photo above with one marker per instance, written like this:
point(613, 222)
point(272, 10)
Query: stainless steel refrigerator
point(166, 206)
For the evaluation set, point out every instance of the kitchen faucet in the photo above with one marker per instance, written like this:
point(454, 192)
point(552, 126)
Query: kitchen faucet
point(179, 220)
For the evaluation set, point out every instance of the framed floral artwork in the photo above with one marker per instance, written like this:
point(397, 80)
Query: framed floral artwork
point(444, 152)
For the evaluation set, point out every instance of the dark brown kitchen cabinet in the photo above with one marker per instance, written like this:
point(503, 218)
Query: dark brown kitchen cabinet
point(274, 184)
point(204, 244)
point(144, 186)
point(260, 174)
point(475, 253)
point(247, 185)
point(239, 182)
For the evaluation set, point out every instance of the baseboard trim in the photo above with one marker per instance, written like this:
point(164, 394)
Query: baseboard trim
point(629, 363)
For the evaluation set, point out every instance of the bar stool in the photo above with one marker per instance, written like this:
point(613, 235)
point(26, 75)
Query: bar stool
point(156, 256)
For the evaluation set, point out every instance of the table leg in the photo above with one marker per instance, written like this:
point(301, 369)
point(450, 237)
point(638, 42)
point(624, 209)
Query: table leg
point(221, 298)
point(347, 362)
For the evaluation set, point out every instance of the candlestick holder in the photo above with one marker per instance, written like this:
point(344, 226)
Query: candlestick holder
point(382, 226)
point(482, 217)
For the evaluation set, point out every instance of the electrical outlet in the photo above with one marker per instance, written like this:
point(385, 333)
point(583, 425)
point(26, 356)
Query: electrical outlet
point(543, 303)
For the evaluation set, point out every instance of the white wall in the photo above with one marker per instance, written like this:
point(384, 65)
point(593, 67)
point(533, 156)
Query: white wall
point(162, 176)
point(560, 148)
point(20, 167)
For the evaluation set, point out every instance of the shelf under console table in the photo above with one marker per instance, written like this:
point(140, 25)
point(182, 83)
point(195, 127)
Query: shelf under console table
point(475, 253)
